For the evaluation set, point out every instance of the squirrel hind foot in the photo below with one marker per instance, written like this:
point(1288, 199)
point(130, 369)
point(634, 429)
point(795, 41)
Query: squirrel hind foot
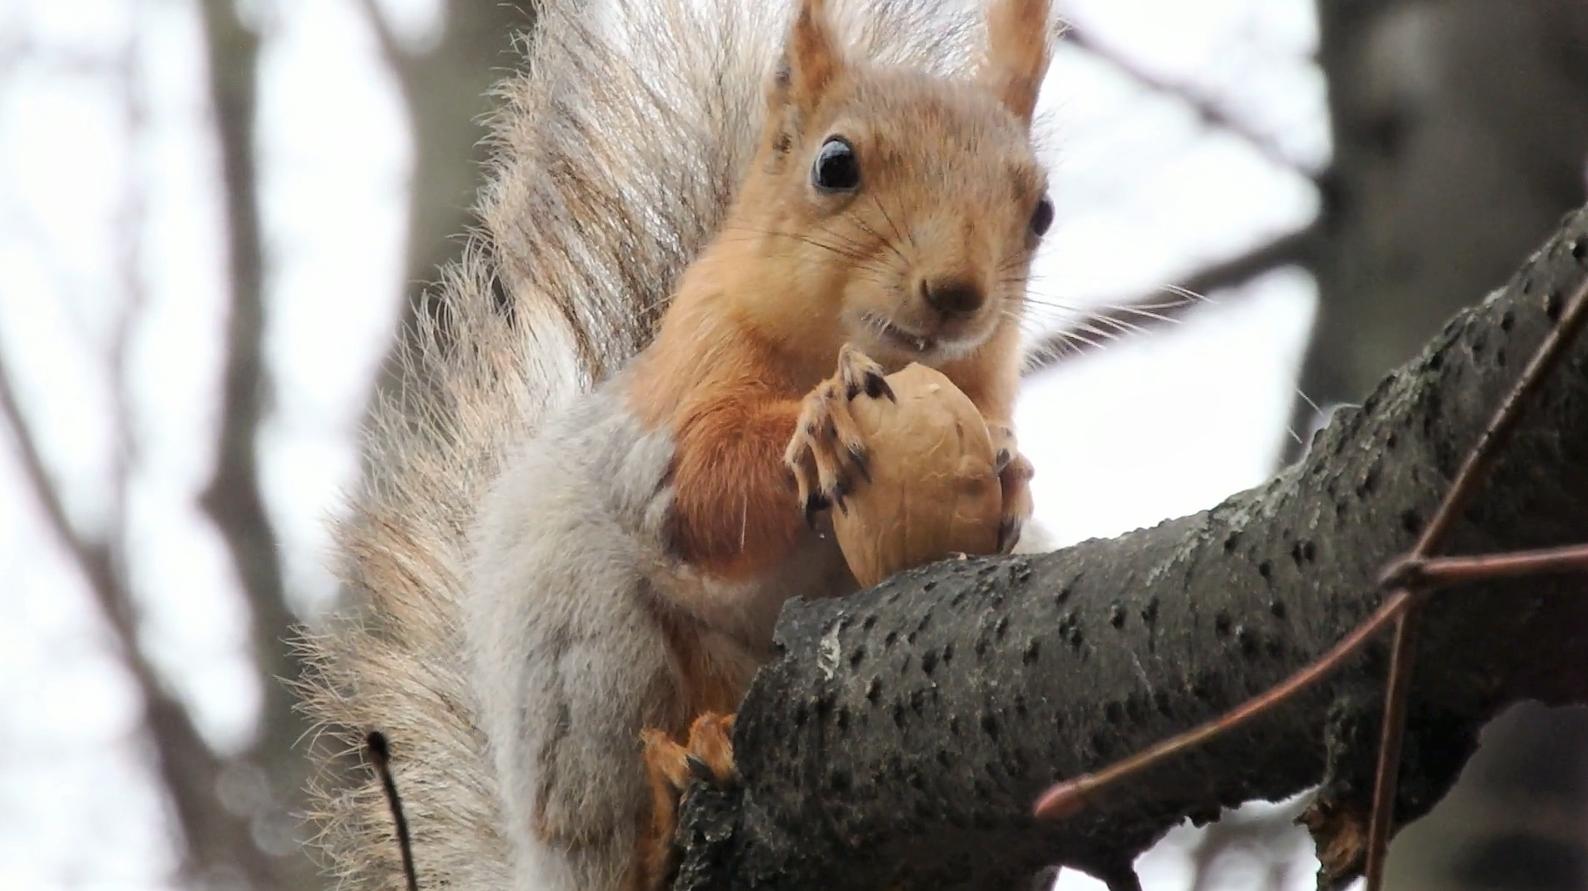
point(707, 755)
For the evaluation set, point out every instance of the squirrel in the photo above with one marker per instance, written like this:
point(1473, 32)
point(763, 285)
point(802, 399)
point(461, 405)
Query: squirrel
point(579, 524)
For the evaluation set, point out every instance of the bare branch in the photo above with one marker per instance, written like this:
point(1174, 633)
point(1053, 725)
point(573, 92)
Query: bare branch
point(1150, 311)
point(1206, 108)
point(215, 838)
point(233, 499)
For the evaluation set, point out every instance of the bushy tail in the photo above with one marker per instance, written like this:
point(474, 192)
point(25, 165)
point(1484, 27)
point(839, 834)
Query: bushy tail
point(617, 151)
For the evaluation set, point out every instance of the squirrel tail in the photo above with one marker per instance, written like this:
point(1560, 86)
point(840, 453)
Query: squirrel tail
point(617, 149)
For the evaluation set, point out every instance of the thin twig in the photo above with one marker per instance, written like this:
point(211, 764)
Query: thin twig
point(1209, 110)
point(1445, 572)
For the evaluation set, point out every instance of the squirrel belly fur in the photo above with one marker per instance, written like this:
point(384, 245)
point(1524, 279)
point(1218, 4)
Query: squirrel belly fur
point(709, 226)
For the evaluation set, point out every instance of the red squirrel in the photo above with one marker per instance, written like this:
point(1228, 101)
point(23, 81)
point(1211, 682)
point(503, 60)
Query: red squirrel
point(626, 565)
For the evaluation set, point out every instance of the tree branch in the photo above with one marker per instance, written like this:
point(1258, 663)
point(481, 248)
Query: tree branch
point(905, 732)
point(233, 499)
point(1207, 109)
point(215, 838)
point(1149, 311)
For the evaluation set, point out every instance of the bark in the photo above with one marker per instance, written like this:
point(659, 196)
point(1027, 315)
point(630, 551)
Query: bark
point(904, 733)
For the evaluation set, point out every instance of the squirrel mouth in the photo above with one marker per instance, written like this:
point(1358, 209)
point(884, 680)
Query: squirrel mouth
point(917, 343)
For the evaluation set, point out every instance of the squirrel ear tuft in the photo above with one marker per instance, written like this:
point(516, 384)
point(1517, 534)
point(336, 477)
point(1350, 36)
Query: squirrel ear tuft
point(1018, 51)
point(812, 57)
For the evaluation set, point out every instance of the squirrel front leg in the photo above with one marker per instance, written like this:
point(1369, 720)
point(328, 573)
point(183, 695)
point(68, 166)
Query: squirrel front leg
point(731, 511)
point(728, 456)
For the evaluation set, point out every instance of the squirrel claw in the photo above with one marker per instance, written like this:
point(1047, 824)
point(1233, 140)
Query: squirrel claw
point(1009, 529)
point(827, 454)
point(1014, 475)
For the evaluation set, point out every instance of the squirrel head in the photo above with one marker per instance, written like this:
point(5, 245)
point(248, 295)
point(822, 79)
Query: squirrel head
point(903, 208)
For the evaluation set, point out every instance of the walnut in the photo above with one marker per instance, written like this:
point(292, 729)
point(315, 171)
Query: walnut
point(934, 489)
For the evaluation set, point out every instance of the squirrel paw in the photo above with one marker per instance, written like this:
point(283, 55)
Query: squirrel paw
point(707, 756)
point(1014, 473)
point(826, 442)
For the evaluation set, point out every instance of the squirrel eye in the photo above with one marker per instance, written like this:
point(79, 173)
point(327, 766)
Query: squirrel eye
point(836, 168)
point(1042, 217)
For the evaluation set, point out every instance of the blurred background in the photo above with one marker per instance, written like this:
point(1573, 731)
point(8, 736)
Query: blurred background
point(214, 217)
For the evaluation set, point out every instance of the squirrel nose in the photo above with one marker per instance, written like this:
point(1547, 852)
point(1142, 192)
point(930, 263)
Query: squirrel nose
point(952, 295)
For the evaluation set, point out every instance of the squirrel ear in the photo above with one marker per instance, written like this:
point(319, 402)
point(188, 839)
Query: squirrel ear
point(1018, 52)
point(811, 59)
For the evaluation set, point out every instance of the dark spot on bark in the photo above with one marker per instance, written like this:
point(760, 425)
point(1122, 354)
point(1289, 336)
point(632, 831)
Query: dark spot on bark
point(1114, 712)
point(1221, 623)
point(928, 662)
point(1369, 482)
point(874, 689)
point(857, 657)
point(1149, 613)
point(840, 782)
point(1246, 639)
point(1390, 442)
point(898, 714)
point(929, 585)
point(869, 623)
point(1001, 627)
point(1277, 607)
point(1063, 595)
point(1230, 541)
point(925, 623)
point(891, 638)
point(1116, 614)
point(1579, 248)
point(1410, 521)
point(989, 726)
point(842, 720)
point(1031, 652)
point(1266, 570)
point(1552, 305)
point(1507, 319)
point(981, 647)
point(910, 638)
point(1499, 357)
